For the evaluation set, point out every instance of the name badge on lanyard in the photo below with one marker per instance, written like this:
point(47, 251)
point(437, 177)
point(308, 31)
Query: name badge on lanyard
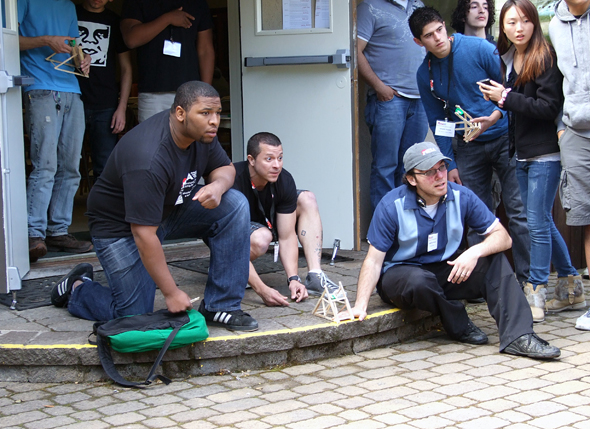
point(432, 241)
point(445, 129)
point(172, 48)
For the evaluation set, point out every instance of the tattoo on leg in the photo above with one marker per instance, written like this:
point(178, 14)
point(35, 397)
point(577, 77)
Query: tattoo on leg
point(303, 232)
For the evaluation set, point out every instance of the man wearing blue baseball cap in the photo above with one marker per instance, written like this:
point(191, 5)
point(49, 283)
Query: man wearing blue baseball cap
point(415, 261)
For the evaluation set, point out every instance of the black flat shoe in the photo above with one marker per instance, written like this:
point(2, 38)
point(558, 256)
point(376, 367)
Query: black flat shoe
point(473, 335)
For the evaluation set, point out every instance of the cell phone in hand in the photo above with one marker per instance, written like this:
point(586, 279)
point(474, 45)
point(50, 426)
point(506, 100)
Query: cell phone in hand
point(487, 81)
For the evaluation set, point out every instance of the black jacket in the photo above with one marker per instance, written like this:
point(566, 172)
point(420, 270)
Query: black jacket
point(535, 106)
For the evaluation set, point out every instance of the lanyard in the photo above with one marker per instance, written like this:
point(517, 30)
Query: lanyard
point(272, 207)
point(431, 77)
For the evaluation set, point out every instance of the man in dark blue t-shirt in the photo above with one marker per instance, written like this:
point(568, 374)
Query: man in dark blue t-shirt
point(148, 192)
point(415, 261)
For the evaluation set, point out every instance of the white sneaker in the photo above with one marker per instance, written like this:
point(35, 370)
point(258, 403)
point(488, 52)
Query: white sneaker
point(583, 322)
point(585, 274)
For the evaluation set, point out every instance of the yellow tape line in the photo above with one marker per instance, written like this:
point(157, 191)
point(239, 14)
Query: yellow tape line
point(224, 338)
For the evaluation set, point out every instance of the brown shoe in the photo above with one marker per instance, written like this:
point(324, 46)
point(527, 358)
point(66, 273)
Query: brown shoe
point(37, 248)
point(67, 243)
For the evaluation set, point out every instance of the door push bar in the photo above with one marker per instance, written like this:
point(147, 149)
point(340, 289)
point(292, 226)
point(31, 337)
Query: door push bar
point(341, 59)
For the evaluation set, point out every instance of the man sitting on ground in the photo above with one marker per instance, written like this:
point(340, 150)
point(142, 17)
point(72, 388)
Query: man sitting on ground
point(413, 258)
point(148, 192)
point(280, 212)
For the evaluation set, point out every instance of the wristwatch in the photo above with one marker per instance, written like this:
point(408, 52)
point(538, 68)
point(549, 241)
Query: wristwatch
point(295, 277)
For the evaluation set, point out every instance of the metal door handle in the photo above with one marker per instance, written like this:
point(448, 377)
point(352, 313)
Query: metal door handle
point(341, 59)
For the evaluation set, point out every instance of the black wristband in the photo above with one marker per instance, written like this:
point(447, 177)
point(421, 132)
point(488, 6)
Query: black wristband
point(295, 277)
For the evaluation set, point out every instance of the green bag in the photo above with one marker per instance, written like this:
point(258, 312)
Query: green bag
point(160, 330)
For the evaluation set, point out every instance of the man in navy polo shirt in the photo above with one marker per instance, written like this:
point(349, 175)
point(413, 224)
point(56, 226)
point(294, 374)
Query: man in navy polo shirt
point(415, 262)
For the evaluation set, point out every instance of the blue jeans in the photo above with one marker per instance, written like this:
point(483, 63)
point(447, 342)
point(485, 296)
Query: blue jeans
point(224, 229)
point(395, 125)
point(56, 135)
point(101, 137)
point(538, 183)
point(476, 161)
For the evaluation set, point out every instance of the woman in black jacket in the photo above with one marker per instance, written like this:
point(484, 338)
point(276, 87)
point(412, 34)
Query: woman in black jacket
point(532, 95)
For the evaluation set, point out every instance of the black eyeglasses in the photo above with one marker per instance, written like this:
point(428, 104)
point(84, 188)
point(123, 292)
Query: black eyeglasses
point(431, 173)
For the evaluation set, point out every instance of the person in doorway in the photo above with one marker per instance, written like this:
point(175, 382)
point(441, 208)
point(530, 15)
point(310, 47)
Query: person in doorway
point(388, 61)
point(414, 259)
point(474, 18)
point(281, 213)
point(54, 122)
point(149, 192)
point(569, 30)
point(105, 102)
point(448, 78)
point(532, 95)
point(174, 41)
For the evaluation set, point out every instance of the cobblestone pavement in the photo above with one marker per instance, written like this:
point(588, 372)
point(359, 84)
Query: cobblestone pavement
point(426, 383)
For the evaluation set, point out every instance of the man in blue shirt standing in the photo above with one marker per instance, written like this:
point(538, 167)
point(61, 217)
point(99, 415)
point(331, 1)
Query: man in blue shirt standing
point(388, 60)
point(447, 78)
point(54, 121)
point(415, 262)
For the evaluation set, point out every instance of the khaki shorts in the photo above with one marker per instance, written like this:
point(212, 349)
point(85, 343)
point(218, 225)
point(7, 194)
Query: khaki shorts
point(574, 189)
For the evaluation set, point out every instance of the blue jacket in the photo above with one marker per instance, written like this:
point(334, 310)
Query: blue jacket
point(473, 60)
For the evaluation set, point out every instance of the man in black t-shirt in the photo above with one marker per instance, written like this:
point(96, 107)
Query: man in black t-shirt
point(174, 41)
point(148, 192)
point(100, 37)
point(280, 213)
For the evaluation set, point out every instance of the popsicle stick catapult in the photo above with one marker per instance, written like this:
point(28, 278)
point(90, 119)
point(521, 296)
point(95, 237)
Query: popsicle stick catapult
point(329, 305)
point(466, 125)
point(74, 61)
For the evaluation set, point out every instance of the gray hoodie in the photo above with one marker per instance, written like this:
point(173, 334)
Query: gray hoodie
point(571, 39)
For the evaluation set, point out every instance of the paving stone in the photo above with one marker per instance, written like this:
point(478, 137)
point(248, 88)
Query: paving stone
point(567, 387)
point(320, 386)
point(197, 414)
point(388, 406)
point(252, 424)
point(164, 410)
point(278, 407)
point(557, 420)
point(58, 410)
point(232, 395)
point(513, 416)
point(391, 393)
point(125, 418)
point(384, 383)
point(231, 418)
point(369, 424)
point(354, 415)
point(303, 369)
point(433, 422)
point(50, 423)
point(159, 422)
point(289, 417)
point(491, 393)
point(541, 408)
point(318, 423)
point(95, 424)
point(21, 418)
point(498, 405)
point(325, 409)
point(351, 390)
point(485, 423)
point(465, 414)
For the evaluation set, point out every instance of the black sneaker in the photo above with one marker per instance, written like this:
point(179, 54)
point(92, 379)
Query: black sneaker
point(473, 335)
point(315, 283)
point(530, 345)
point(235, 320)
point(60, 294)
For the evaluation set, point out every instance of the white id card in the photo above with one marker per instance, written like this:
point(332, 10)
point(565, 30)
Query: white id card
point(276, 251)
point(172, 48)
point(445, 129)
point(432, 241)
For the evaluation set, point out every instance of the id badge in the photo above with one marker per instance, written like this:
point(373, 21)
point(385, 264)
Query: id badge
point(445, 129)
point(276, 246)
point(172, 48)
point(432, 241)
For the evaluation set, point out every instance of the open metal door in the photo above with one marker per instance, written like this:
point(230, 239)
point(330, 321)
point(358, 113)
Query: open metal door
point(14, 255)
point(296, 83)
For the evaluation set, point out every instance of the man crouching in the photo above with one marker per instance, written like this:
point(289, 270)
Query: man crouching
point(413, 258)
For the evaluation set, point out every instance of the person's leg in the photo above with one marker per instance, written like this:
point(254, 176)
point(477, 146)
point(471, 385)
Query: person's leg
point(131, 289)
point(67, 176)
point(475, 170)
point(415, 130)
point(309, 229)
point(225, 229)
point(101, 138)
point(412, 286)
point(494, 278)
point(150, 103)
point(260, 238)
point(517, 222)
point(42, 123)
point(386, 121)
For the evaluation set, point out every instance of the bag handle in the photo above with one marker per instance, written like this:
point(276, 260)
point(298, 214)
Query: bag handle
point(106, 360)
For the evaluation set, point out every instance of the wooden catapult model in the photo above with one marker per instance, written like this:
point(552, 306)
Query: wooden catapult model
point(329, 305)
point(73, 62)
point(466, 125)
